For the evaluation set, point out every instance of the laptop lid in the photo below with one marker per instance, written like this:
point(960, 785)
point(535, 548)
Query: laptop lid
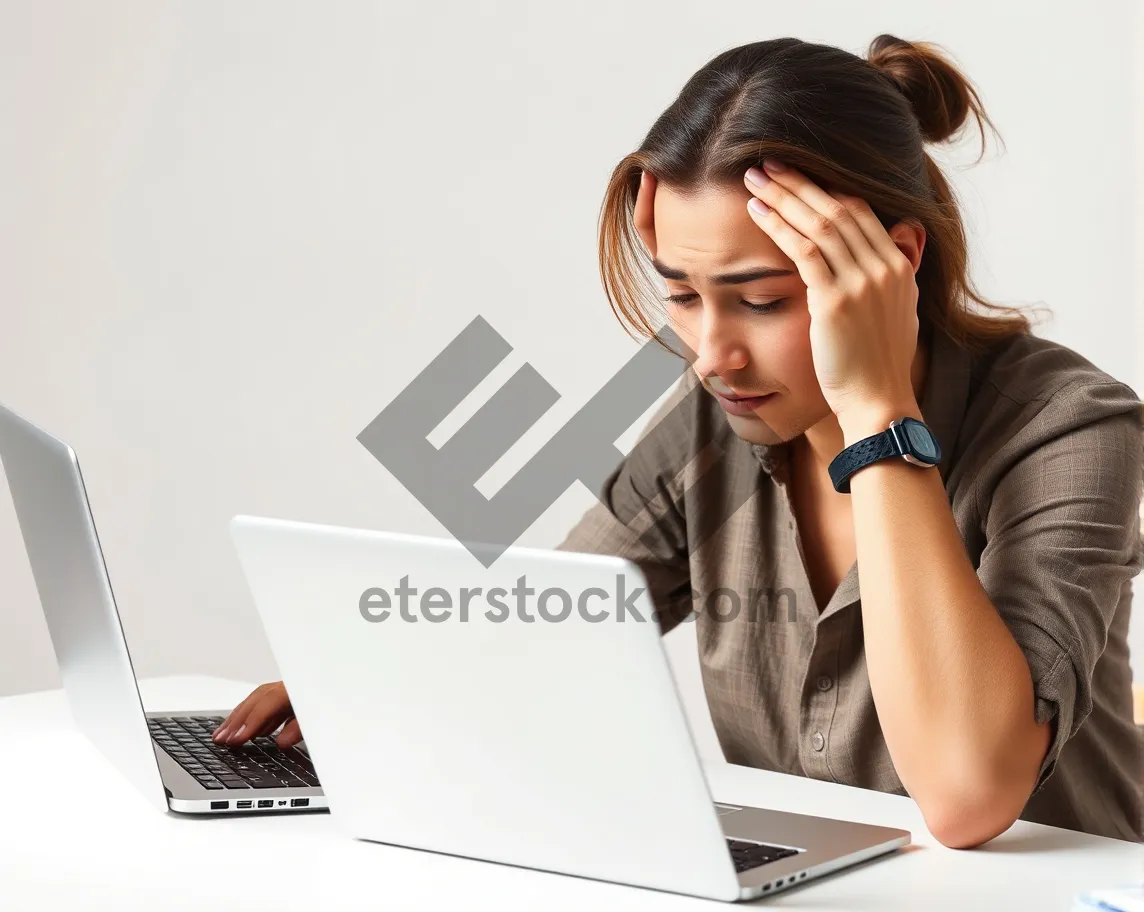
point(527, 720)
point(75, 593)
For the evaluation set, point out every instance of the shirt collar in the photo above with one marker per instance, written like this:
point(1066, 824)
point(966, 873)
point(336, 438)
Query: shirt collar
point(944, 401)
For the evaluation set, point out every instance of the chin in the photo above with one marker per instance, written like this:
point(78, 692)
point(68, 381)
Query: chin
point(755, 430)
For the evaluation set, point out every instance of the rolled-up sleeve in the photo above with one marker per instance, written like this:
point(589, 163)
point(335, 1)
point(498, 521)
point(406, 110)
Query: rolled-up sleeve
point(639, 515)
point(1063, 543)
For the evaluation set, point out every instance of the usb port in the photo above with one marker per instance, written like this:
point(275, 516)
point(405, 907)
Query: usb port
point(244, 804)
point(299, 802)
point(266, 802)
point(219, 805)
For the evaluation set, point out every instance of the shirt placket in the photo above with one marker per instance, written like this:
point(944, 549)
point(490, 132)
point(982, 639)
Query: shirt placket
point(819, 692)
point(819, 704)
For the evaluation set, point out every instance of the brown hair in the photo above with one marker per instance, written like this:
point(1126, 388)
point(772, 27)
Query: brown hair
point(853, 125)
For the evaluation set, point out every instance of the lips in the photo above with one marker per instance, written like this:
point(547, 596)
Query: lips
point(735, 396)
point(743, 406)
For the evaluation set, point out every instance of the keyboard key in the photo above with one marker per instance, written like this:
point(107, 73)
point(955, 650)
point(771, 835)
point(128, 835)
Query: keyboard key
point(298, 765)
point(747, 855)
point(261, 781)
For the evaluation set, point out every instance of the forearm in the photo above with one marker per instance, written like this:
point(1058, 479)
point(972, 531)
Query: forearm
point(952, 688)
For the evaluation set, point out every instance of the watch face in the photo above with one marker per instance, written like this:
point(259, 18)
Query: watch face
point(921, 440)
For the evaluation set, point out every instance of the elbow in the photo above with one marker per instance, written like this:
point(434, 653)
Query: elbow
point(966, 804)
point(966, 825)
point(970, 816)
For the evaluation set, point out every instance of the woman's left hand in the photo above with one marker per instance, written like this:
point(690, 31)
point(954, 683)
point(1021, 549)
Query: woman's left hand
point(861, 294)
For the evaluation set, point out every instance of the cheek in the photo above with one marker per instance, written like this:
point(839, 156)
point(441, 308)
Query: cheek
point(781, 353)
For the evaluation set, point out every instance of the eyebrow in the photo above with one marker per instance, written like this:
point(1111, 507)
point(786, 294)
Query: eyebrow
point(727, 278)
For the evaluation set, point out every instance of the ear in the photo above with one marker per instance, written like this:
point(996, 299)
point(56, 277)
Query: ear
point(644, 216)
point(910, 238)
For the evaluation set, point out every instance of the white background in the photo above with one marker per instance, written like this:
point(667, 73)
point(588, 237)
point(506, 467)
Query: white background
point(231, 232)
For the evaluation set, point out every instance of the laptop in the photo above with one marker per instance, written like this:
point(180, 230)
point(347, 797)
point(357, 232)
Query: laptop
point(522, 712)
point(168, 756)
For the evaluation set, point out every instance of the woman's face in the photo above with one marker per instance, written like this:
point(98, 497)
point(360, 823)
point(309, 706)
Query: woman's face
point(750, 334)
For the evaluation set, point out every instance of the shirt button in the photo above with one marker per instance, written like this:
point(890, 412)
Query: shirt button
point(824, 683)
point(818, 742)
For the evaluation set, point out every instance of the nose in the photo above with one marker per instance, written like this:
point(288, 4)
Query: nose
point(719, 346)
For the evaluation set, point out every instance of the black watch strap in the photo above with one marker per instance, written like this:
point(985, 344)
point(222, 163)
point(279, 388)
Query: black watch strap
point(860, 454)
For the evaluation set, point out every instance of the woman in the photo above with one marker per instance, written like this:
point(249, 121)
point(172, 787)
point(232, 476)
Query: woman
point(982, 667)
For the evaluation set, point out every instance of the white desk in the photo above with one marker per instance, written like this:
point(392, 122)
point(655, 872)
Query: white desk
point(118, 853)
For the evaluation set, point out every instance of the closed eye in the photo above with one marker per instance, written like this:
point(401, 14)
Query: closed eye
point(767, 307)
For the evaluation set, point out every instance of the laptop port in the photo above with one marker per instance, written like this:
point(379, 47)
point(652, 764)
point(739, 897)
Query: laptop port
point(219, 805)
point(266, 802)
point(244, 804)
point(299, 802)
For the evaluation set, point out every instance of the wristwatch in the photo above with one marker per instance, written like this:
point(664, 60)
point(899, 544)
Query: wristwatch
point(907, 438)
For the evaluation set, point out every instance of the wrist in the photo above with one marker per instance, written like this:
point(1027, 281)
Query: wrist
point(874, 417)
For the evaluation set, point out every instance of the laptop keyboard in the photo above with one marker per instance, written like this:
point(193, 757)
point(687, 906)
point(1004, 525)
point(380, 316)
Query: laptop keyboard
point(747, 855)
point(257, 764)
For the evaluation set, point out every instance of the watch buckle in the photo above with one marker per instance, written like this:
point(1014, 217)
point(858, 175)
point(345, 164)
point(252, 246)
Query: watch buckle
point(903, 450)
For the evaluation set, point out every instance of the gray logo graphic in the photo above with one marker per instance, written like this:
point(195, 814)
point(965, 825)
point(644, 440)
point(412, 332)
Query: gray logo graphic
point(443, 479)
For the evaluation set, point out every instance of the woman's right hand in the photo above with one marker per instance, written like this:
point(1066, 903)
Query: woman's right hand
point(264, 710)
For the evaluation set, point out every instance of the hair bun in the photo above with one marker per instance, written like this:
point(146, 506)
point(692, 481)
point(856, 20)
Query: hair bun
point(942, 98)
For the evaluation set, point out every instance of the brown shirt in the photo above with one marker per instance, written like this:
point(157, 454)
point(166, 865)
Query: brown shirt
point(1043, 465)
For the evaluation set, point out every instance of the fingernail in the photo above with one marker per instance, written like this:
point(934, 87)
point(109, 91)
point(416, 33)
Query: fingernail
point(218, 733)
point(755, 176)
point(758, 205)
point(241, 729)
point(773, 164)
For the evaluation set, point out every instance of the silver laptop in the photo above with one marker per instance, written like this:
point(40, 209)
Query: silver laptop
point(512, 713)
point(169, 757)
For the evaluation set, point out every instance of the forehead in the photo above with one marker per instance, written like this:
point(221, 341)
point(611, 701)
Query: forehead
point(712, 227)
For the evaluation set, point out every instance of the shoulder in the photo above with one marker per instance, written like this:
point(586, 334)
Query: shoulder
point(1036, 402)
point(1031, 374)
point(1032, 388)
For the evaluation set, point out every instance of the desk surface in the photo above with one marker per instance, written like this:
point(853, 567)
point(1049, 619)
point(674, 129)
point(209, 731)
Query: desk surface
point(119, 853)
